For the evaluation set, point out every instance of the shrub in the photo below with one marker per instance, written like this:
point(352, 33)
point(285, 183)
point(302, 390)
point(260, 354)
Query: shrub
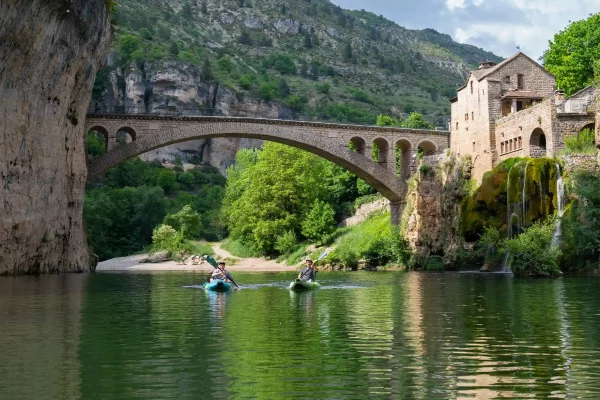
point(268, 91)
point(360, 95)
point(166, 238)
point(282, 63)
point(247, 81)
point(323, 88)
point(187, 222)
point(582, 143)
point(319, 222)
point(225, 64)
point(286, 242)
point(533, 253)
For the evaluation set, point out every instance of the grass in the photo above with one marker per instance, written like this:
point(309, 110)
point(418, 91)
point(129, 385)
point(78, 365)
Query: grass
point(582, 143)
point(239, 249)
point(198, 248)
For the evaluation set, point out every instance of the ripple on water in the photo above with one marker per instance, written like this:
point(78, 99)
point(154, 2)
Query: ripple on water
point(139, 336)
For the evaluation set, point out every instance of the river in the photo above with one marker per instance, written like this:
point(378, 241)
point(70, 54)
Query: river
point(362, 335)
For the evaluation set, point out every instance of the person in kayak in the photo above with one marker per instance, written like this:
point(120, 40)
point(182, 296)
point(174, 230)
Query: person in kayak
point(219, 273)
point(308, 272)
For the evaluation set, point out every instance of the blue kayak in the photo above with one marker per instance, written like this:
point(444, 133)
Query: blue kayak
point(217, 286)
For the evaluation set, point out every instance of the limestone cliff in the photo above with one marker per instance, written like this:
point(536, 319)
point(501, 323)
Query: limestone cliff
point(431, 222)
point(168, 86)
point(50, 52)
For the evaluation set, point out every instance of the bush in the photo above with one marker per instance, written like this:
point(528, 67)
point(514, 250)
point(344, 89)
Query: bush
point(533, 253)
point(582, 143)
point(268, 91)
point(166, 238)
point(282, 63)
point(286, 242)
point(323, 88)
point(247, 81)
point(319, 222)
point(187, 222)
point(360, 95)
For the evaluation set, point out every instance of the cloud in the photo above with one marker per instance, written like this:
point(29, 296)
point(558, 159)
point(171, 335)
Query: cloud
point(498, 25)
point(452, 4)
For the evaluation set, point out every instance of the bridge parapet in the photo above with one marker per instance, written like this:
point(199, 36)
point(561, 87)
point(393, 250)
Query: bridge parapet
point(328, 140)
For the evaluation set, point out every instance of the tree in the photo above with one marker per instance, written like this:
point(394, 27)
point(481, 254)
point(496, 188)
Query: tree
point(533, 253)
point(319, 222)
point(204, 8)
point(225, 64)
point(416, 121)
point(166, 238)
point(245, 38)
point(572, 54)
point(167, 180)
point(95, 145)
point(270, 197)
point(386, 120)
point(347, 54)
point(186, 221)
point(307, 40)
point(303, 68)
point(268, 91)
point(284, 89)
point(207, 70)
point(314, 71)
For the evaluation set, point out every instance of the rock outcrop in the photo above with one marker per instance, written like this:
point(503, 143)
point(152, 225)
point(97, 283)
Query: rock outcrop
point(432, 219)
point(50, 52)
point(179, 87)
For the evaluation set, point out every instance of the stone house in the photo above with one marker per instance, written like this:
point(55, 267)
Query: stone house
point(512, 109)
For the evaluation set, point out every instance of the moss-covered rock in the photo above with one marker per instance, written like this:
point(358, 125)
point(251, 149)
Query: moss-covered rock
point(515, 194)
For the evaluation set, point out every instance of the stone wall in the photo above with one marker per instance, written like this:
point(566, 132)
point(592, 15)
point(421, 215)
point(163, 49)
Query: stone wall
point(363, 212)
point(514, 132)
point(51, 51)
point(474, 130)
point(586, 162)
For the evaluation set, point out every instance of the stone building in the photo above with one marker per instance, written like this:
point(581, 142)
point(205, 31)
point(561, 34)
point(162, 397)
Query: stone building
point(512, 109)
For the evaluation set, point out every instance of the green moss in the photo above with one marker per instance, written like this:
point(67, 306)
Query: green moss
point(488, 206)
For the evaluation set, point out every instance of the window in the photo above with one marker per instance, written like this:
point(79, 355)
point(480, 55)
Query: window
point(483, 91)
point(507, 79)
point(466, 116)
point(520, 143)
point(472, 115)
point(471, 87)
point(502, 148)
point(520, 81)
point(519, 105)
point(473, 146)
point(457, 126)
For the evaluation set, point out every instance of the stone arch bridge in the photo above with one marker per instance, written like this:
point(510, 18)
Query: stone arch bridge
point(346, 145)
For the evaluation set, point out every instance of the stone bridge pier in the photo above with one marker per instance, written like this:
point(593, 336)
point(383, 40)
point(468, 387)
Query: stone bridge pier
point(384, 157)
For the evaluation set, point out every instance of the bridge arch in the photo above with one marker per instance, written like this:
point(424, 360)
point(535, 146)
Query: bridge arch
point(428, 147)
point(384, 149)
point(404, 156)
point(324, 140)
point(358, 144)
point(101, 130)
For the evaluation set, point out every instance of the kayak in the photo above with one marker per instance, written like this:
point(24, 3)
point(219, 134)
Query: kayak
point(299, 285)
point(217, 286)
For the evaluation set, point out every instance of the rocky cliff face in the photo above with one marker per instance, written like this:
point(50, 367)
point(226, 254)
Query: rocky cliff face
point(179, 87)
point(50, 52)
point(432, 218)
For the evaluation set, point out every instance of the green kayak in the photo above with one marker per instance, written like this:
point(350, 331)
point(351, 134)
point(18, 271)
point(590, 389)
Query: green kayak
point(299, 285)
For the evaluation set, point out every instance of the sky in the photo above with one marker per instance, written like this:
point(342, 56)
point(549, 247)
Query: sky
point(498, 26)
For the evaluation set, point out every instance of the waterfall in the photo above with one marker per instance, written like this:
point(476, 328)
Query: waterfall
point(524, 205)
point(560, 204)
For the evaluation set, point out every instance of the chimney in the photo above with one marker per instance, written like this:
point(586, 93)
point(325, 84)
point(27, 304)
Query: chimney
point(559, 95)
point(486, 64)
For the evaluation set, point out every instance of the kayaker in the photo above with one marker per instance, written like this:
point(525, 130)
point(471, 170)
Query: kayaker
point(219, 273)
point(308, 273)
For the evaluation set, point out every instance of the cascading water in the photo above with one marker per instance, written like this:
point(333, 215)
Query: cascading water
point(515, 211)
point(560, 205)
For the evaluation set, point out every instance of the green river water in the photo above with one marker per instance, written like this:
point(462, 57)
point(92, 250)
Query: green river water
point(362, 335)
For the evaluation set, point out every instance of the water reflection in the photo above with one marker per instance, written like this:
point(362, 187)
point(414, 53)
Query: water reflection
point(40, 328)
point(390, 335)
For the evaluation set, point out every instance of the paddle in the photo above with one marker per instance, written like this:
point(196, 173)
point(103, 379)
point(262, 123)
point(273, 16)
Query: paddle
point(215, 265)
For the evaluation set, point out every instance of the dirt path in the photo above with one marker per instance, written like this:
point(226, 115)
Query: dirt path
point(132, 263)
